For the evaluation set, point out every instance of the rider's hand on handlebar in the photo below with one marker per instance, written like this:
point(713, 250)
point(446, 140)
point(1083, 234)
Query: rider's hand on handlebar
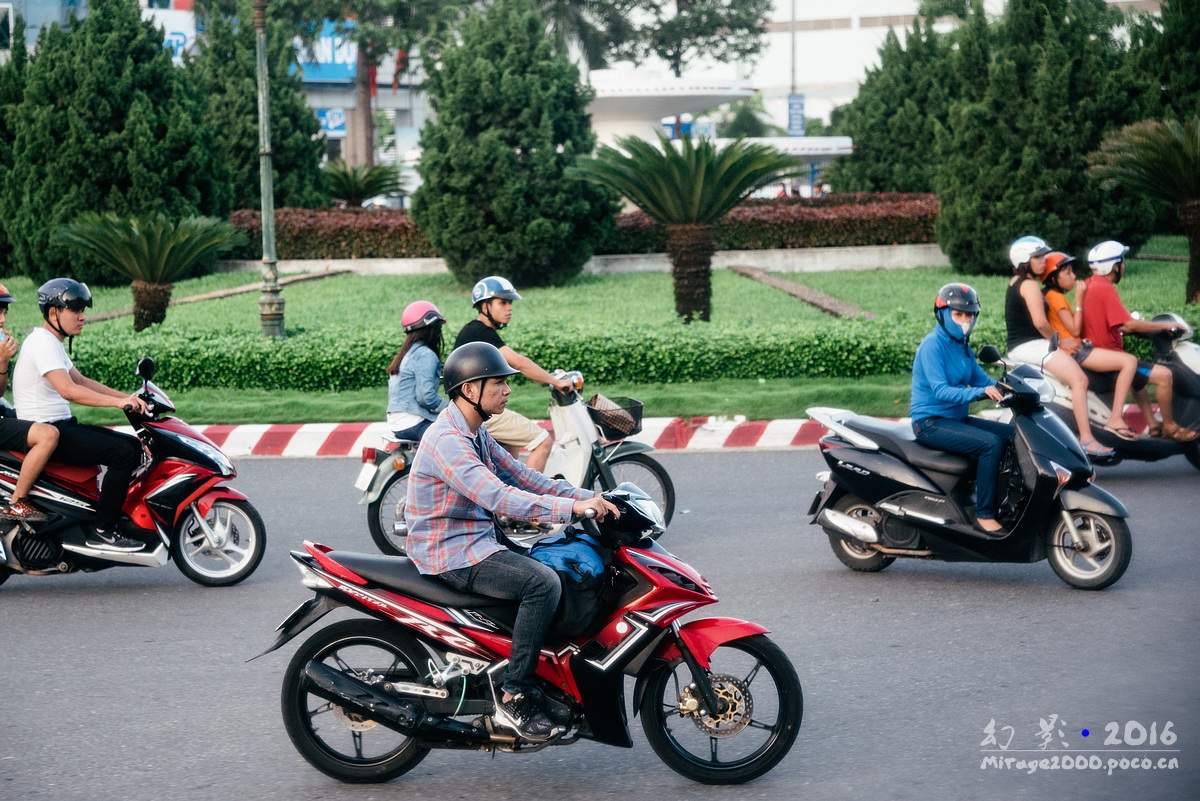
point(562, 385)
point(134, 403)
point(994, 392)
point(598, 505)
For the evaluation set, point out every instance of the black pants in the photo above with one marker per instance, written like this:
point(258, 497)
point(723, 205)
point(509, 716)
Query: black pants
point(84, 445)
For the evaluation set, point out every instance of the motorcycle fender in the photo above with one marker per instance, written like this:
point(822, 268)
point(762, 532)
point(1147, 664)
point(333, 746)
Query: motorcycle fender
point(205, 501)
point(622, 448)
point(702, 637)
point(828, 494)
point(1092, 499)
point(301, 618)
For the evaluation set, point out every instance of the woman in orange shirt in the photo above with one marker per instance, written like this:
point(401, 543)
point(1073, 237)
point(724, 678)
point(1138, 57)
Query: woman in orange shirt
point(1059, 279)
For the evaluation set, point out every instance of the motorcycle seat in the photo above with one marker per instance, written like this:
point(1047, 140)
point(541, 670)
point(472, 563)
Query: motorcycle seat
point(899, 440)
point(400, 574)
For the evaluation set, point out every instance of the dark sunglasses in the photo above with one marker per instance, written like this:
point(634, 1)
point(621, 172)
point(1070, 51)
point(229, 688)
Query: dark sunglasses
point(77, 304)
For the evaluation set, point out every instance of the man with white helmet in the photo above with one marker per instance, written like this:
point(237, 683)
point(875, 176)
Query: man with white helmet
point(1106, 321)
point(493, 298)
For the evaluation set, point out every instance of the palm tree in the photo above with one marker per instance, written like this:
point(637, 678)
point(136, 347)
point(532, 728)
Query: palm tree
point(1159, 158)
point(688, 189)
point(356, 185)
point(595, 28)
point(150, 250)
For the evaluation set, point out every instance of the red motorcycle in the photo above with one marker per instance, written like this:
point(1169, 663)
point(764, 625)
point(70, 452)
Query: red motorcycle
point(364, 700)
point(176, 505)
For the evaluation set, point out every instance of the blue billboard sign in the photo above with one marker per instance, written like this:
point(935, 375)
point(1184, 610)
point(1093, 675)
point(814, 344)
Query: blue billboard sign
point(332, 59)
point(333, 122)
point(795, 114)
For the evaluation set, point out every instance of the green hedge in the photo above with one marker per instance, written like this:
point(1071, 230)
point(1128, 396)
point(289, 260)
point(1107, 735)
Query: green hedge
point(832, 221)
point(668, 354)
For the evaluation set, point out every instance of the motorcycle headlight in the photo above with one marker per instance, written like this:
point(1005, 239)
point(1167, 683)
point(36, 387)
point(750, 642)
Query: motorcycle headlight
point(220, 459)
point(1043, 388)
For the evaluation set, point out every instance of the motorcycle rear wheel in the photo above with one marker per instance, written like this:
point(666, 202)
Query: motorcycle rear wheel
point(1105, 557)
point(1193, 456)
point(849, 551)
point(245, 537)
point(649, 475)
point(746, 741)
point(343, 744)
point(385, 511)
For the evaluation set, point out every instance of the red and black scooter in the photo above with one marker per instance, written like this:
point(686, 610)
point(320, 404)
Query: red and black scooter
point(365, 699)
point(177, 505)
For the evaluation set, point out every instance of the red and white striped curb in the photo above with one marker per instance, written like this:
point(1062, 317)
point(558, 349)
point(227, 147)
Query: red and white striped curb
point(665, 433)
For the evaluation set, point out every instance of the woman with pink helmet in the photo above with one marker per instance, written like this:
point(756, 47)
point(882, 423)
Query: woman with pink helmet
point(414, 374)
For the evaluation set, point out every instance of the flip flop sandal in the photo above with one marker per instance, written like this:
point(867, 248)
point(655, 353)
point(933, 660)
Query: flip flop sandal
point(1181, 434)
point(1093, 448)
point(1124, 432)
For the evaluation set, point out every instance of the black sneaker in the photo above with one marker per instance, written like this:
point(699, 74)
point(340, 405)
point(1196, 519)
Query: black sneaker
point(522, 715)
point(103, 540)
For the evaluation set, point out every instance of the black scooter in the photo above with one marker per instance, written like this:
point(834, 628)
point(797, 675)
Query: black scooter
point(886, 496)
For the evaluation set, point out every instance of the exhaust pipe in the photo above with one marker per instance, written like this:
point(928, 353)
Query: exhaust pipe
point(399, 714)
point(848, 525)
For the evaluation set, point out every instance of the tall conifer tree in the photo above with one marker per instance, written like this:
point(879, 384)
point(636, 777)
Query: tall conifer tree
point(511, 119)
point(107, 123)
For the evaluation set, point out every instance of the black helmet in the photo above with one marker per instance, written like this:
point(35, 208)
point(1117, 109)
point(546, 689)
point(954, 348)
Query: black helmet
point(959, 297)
point(640, 516)
point(473, 361)
point(63, 293)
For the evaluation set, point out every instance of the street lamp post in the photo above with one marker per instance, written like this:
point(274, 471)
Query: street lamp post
point(270, 302)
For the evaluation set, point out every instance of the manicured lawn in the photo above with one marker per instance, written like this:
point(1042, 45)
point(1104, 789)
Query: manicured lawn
point(331, 307)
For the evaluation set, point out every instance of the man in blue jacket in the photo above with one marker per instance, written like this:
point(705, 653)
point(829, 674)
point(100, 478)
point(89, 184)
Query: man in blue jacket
point(946, 380)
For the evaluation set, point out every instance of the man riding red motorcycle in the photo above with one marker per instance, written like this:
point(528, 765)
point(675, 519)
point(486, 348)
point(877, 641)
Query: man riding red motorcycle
point(460, 478)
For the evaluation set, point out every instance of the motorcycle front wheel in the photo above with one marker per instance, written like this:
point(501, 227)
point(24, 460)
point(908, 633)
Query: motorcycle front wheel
point(241, 541)
point(765, 706)
point(646, 473)
point(1104, 554)
point(335, 741)
point(385, 512)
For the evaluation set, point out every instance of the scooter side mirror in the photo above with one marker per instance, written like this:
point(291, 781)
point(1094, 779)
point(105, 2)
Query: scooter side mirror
point(145, 368)
point(1053, 342)
point(988, 354)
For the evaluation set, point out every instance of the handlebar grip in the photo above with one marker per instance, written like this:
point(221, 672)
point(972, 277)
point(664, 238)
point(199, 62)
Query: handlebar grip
point(127, 408)
point(590, 514)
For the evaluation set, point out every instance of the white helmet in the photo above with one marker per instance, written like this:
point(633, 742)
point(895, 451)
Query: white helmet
point(1104, 257)
point(1025, 248)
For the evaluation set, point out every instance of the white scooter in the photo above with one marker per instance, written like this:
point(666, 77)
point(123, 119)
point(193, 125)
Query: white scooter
point(1173, 350)
point(590, 450)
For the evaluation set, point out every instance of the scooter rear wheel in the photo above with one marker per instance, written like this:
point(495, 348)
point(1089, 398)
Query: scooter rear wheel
point(1102, 560)
point(385, 512)
point(850, 552)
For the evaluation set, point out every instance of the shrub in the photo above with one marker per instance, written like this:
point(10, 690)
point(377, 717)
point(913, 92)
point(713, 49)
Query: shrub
point(800, 223)
point(335, 234)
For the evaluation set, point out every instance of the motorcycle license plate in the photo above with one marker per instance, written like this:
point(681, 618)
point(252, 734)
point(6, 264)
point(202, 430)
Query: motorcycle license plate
point(363, 482)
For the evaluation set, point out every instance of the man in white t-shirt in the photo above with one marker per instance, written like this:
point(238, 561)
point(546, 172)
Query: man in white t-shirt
point(45, 383)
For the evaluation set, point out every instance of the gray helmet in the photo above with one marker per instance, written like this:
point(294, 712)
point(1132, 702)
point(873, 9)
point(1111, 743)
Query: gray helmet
point(471, 362)
point(63, 293)
point(493, 287)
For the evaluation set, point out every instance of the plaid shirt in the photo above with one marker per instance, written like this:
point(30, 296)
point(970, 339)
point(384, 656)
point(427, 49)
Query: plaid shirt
point(452, 492)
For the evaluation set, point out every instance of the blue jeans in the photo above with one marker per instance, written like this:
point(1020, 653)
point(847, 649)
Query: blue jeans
point(514, 577)
point(983, 439)
point(414, 433)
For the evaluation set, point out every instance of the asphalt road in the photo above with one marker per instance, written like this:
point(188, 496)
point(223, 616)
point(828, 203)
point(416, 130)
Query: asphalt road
point(133, 683)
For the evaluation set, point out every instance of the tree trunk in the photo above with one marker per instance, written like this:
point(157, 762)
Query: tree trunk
point(363, 151)
point(690, 248)
point(1189, 215)
point(150, 303)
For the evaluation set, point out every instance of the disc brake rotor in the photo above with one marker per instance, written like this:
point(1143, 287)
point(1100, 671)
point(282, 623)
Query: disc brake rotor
point(352, 720)
point(739, 707)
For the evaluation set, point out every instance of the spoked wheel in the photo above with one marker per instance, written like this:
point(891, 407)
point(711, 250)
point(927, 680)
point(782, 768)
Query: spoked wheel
point(852, 553)
point(335, 741)
point(385, 516)
point(765, 705)
point(1193, 455)
point(1103, 556)
point(646, 473)
point(224, 547)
